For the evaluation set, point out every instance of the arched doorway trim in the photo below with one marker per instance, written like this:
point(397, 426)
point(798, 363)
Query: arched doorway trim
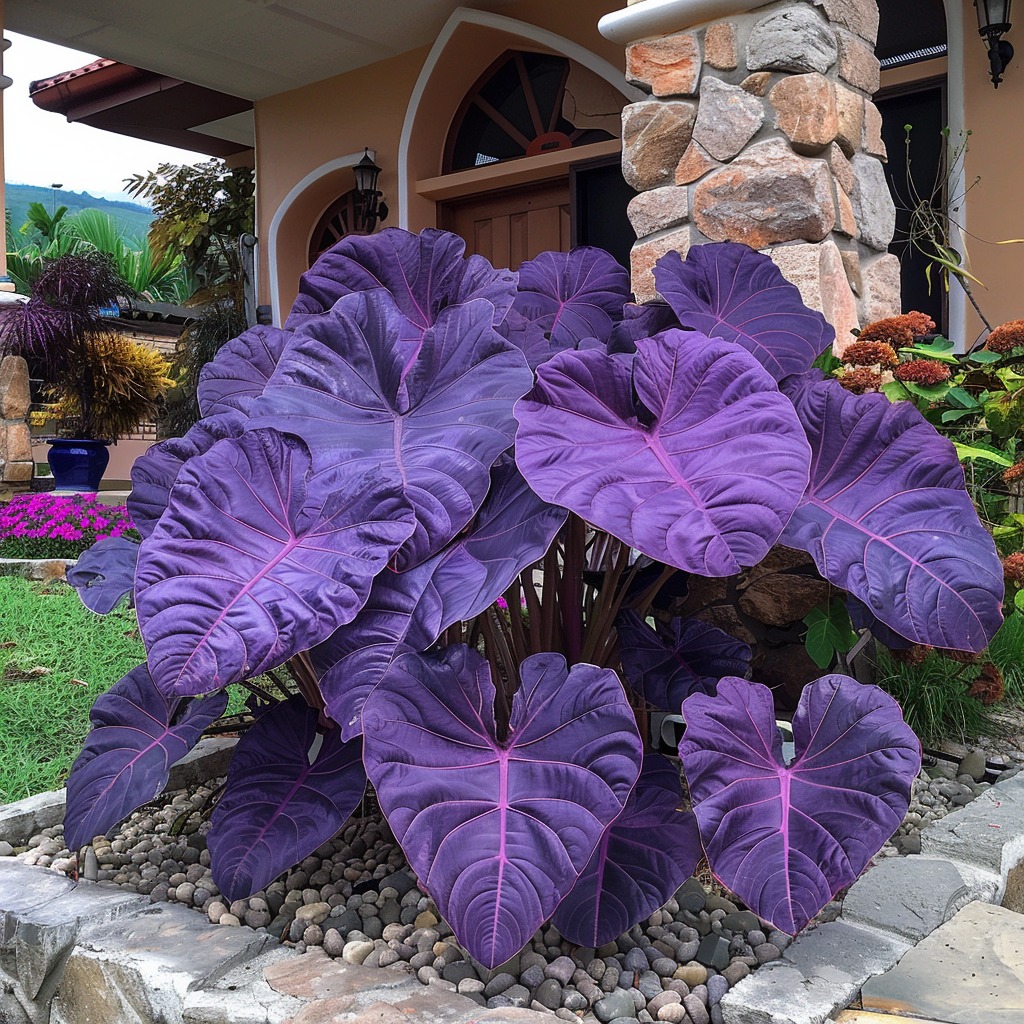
point(513, 28)
point(274, 231)
point(955, 112)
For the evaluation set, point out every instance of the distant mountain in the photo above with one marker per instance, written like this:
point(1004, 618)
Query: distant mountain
point(133, 219)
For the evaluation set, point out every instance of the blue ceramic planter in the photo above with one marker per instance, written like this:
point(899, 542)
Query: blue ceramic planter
point(77, 465)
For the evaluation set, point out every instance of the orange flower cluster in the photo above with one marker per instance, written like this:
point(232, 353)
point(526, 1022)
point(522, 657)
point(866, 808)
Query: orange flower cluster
point(988, 688)
point(1014, 473)
point(870, 353)
point(922, 371)
point(1006, 337)
point(898, 330)
point(1013, 569)
point(861, 380)
point(912, 656)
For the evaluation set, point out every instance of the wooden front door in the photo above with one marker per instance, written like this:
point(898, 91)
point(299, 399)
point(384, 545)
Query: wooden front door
point(514, 225)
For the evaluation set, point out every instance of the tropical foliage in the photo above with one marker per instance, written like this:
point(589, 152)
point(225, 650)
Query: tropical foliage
point(429, 435)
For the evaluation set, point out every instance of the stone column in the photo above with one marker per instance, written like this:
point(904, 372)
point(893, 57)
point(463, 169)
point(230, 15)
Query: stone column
point(16, 465)
point(760, 129)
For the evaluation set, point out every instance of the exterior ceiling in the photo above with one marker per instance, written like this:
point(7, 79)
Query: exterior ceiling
point(242, 48)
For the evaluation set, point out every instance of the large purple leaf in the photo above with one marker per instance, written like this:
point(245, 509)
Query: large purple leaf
point(642, 859)
point(156, 469)
point(238, 373)
point(887, 517)
point(640, 322)
point(705, 479)
point(425, 273)
point(668, 664)
point(409, 610)
point(249, 566)
point(727, 290)
point(136, 735)
point(499, 830)
point(572, 296)
point(280, 803)
point(784, 838)
point(437, 416)
point(105, 573)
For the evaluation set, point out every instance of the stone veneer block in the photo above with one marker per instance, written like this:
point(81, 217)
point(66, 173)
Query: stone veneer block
point(757, 84)
point(881, 296)
point(969, 971)
point(658, 209)
point(873, 144)
point(646, 253)
point(988, 833)
point(766, 196)
point(873, 203)
point(795, 39)
point(695, 163)
point(858, 64)
point(851, 264)
point(860, 16)
point(850, 111)
point(846, 219)
point(820, 275)
point(727, 118)
point(17, 472)
point(907, 896)
point(720, 46)
point(805, 111)
point(841, 167)
point(654, 137)
point(666, 66)
point(14, 390)
point(17, 444)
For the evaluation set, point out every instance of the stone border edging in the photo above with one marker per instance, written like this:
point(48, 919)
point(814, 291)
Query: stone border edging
point(35, 568)
point(966, 856)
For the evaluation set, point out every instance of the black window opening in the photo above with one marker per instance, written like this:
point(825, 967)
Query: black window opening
point(916, 173)
point(515, 110)
point(599, 196)
point(910, 31)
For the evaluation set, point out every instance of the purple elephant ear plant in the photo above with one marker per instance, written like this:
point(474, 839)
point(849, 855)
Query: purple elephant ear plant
point(428, 436)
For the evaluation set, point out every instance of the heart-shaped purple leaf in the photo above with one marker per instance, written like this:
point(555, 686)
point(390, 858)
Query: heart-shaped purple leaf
point(499, 830)
point(425, 273)
point(436, 416)
point(571, 296)
point(704, 479)
point(136, 735)
point(156, 469)
point(283, 798)
point(238, 373)
point(787, 838)
point(642, 859)
point(249, 565)
point(105, 573)
point(727, 290)
point(888, 518)
point(668, 664)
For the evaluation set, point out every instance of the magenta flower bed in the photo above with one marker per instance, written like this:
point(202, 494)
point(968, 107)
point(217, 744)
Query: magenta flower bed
point(58, 526)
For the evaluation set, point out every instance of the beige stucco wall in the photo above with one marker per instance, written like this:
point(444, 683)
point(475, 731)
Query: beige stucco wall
point(302, 130)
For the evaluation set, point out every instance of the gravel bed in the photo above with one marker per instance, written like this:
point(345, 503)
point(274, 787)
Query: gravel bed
point(357, 899)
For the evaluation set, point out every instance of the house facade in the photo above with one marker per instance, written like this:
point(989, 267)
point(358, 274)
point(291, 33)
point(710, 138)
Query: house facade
point(508, 121)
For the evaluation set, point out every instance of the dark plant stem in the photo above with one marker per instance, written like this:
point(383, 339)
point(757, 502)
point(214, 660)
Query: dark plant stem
point(571, 596)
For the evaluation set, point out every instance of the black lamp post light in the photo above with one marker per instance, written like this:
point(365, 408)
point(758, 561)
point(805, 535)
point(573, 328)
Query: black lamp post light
point(370, 209)
point(993, 24)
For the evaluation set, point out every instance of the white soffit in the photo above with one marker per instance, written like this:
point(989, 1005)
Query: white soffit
point(247, 48)
point(240, 128)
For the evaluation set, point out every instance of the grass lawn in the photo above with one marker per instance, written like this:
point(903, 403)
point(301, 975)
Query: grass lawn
point(56, 657)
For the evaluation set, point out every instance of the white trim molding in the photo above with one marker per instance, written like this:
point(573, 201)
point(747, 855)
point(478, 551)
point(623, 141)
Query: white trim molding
point(955, 114)
point(662, 17)
point(511, 27)
point(273, 232)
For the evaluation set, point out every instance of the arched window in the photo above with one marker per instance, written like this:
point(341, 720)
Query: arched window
point(334, 225)
point(524, 104)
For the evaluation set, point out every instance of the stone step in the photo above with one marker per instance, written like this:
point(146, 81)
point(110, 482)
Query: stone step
point(968, 971)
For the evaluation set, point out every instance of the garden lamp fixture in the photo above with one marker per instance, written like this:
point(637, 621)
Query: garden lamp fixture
point(993, 24)
point(369, 207)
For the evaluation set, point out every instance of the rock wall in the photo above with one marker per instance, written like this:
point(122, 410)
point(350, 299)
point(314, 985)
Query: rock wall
point(16, 465)
point(760, 129)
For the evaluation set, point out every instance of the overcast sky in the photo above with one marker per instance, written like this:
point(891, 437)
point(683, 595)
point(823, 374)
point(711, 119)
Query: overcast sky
point(42, 148)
